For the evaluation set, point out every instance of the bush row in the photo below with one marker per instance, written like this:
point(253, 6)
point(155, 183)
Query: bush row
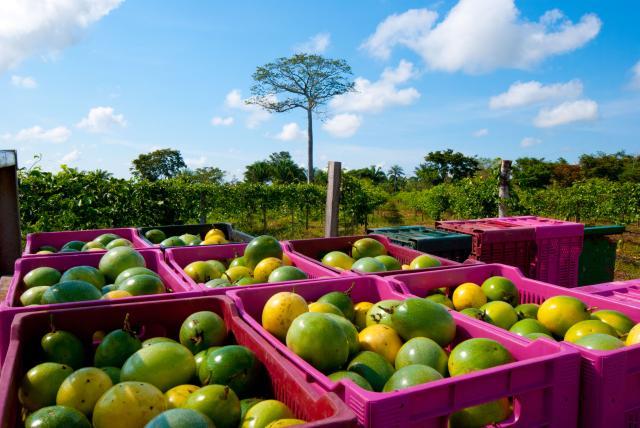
point(589, 201)
point(72, 199)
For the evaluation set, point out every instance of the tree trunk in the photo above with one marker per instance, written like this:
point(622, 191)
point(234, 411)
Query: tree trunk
point(310, 146)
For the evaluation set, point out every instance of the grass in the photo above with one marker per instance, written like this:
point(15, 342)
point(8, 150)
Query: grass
point(628, 255)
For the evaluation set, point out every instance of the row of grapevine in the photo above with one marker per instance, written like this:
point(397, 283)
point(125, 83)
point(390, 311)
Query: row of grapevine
point(590, 201)
point(72, 199)
point(83, 200)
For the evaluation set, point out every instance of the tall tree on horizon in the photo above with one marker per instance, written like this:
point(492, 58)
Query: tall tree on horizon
point(306, 82)
point(163, 163)
point(395, 174)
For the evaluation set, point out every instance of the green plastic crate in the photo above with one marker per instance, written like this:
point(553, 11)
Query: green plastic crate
point(449, 245)
point(598, 259)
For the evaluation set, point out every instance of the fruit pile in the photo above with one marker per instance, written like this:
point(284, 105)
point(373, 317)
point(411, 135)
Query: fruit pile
point(197, 380)
point(106, 241)
point(387, 346)
point(121, 273)
point(559, 317)
point(369, 255)
point(263, 261)
point(212, 237)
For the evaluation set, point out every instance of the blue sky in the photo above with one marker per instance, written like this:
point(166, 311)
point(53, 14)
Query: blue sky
point(95, 83)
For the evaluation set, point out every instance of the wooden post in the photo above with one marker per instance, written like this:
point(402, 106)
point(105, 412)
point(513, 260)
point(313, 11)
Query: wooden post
point(10, 239)
point(503, 189)
point(333, 199)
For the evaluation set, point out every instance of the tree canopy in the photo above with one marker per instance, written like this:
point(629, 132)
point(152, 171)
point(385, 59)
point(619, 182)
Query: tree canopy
point(163, 163)
point(301, 81)
point(207, 174)
point(279, 168)
point(444, 166)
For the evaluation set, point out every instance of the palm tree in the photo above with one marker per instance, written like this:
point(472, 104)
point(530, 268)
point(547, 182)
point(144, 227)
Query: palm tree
point(377, 175)
point(395, 174)
point(258, 172)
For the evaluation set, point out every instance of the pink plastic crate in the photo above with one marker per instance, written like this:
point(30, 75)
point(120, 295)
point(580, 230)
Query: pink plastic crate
point(497, 242)
point(314, 249)
point(175, 285)
point(179, 257)
point(610, 379)
point(320, 409)
point(58, 239)
point(558, 248)
point(543, 381)
point(627, 292)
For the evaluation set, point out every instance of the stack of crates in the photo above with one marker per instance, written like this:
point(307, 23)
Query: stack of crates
point(542, 248)
point(497, 242)
point(558, 248)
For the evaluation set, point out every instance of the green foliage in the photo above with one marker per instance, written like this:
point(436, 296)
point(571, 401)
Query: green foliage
point(301, 81)
point(207, 174)
point(445, 166)
point(279, 168)
point(258, 172)
point(284, 169)
point(396, 176)
point(589, 201)
point(164, 163)
point(594, 200)
point(73, 200)
point(306, 81)
point(358, 200)
point(532, 173)
point(609, 166)
point(374, 174)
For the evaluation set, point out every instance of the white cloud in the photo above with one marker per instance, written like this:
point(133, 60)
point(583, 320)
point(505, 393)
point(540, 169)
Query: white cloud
point(525, 93)
point(635, 80)
point(59, 134)
point(70, 157)
point(290, 132)
point(101, 120)
point(222, 121)
point(315, 45)
point(25, 82)
point(400, 29)
point(257, 114)
point(480, 36)
point(342, 125)
point(481, 133)
point(373, 97)
point(567, 112)
point(530, 141)
point(36, 27)
point(196, 162)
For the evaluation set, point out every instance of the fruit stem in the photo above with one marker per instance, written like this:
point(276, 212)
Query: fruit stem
point(51, 325)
